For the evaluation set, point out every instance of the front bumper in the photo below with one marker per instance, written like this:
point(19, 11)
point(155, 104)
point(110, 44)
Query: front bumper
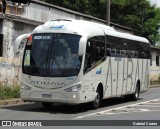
point(38, 96)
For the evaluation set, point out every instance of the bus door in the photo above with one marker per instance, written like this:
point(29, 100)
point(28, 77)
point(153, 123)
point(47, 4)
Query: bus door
point(94, 57)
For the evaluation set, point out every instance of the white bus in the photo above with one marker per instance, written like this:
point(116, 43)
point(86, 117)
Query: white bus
point(76, 61)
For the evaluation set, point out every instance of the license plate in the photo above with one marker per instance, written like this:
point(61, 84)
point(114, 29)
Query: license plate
point(47, 95)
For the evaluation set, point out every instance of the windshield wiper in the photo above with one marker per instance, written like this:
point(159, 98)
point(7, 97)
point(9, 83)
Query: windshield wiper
point(57, 63)
point(46, 59)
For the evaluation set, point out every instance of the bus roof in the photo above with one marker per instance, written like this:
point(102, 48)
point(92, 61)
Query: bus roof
point(83, 28)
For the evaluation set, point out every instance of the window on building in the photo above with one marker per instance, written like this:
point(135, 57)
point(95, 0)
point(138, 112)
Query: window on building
point(1, 45)
point(157, 60)
point(150, 60)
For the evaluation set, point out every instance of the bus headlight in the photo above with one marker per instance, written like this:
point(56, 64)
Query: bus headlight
point(25, 87)
point(75, 88)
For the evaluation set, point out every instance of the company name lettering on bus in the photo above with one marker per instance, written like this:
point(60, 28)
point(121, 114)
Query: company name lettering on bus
point(42, 37)
point(46, 83)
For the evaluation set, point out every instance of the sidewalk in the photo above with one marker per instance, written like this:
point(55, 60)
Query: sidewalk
point(10, 102)
point(154, 86)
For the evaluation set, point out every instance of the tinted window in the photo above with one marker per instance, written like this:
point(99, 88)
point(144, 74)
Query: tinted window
point(95, 52)
point(52, 55)
point(119, 47)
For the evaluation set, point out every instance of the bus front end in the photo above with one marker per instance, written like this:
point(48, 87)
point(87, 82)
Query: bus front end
point(51, 68)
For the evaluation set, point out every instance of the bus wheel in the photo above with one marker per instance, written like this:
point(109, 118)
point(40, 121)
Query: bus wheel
point(47, 105)
point(97, 101)
point(135, 95)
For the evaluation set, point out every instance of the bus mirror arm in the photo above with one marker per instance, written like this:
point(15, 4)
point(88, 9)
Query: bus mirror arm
point(82, 45)
point(81, 52)
point(18, 43)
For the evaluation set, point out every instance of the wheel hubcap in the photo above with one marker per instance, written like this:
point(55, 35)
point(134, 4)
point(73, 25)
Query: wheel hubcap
point(136, 94)
point(97, 100)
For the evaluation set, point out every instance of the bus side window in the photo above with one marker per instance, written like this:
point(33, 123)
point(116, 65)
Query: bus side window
point(87, 63)
point(113, 52)
point(123, 53)
point(142, 55)
point(135, 54)
point(95, 51)
point(108, 52)
point(131, 54)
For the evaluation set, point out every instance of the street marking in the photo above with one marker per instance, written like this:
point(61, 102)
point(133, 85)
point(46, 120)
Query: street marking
point(149, 105)
point(103, 112)
point(128, 112)
point(145, 110)
point(109, 113)
point(153, 103)
point(133, 109)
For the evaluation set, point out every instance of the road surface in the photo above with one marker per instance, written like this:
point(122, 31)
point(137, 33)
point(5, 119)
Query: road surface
point(146, 108)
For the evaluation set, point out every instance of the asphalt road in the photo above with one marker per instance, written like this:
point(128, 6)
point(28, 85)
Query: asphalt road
point(146, 108)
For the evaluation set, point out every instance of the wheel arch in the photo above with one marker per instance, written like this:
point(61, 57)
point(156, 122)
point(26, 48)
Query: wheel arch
point(138, 84)
point(101, 89)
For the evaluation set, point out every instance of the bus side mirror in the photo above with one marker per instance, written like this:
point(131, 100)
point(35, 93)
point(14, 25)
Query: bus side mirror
point(81, 51)
point(82, 46)
point(20, 43)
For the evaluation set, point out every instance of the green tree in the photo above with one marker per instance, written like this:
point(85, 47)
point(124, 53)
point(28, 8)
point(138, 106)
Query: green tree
point(136, 14)
point(139, 15)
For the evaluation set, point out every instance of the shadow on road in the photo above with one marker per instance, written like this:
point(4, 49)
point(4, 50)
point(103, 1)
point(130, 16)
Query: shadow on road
point(64, 109)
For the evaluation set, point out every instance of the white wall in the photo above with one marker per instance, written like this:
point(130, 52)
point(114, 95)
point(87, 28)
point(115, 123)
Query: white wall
point(9, 66)
point(154, 69)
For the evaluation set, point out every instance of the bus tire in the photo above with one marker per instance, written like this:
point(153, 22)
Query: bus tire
point(135, 95)
point(47, 105)
point(97, 101)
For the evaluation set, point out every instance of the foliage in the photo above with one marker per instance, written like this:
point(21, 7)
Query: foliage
point(136, 14)
point(9, 92)
point(139, 15)
point(155, 82)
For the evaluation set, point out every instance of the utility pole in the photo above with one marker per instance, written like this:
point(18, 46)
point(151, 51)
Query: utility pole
point(108, 12)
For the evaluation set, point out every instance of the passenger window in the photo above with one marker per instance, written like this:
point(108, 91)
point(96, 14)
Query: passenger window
point(123, 53)
point(95, 51)
point(136, 54)
point(142, 55)
point(127, 48)
point(131, 54)
point(113, 52)
point(108, 52)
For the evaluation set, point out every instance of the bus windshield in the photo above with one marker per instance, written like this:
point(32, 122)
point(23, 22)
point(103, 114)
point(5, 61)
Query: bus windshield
point(52, 55)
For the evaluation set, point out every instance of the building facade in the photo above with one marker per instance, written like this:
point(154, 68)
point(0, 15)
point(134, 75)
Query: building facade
point(23, 18)
point(155, 66)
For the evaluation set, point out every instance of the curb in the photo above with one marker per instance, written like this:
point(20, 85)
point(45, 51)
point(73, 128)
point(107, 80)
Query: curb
point(154, 86)
point(11, 102)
